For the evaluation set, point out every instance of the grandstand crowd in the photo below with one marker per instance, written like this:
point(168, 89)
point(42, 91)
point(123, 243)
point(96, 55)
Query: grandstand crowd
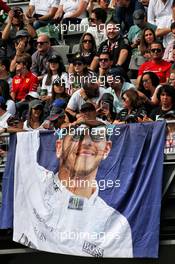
point(121, 71)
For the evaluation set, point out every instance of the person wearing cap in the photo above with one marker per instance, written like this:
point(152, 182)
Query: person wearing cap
point(134, 37)
point(80, 72)
point(69, 199)
point(56, 70)
point(140, 23)
point(16, 21)
point(124, 10)
point(35, 116)
point(118, 83)
point(116, 45)
point(22, 46)
point(24, 81)
point(41, 56)
point(57, 116)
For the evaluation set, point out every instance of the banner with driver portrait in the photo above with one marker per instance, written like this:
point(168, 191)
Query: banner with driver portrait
point(87, 191)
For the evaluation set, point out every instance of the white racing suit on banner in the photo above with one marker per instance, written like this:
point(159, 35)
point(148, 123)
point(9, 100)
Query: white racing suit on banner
point(49, 217)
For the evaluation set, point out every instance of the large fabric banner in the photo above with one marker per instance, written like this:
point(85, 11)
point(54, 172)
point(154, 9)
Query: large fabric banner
point(90, 191)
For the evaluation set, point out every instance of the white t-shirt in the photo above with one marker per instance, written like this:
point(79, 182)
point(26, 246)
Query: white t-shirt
point(77, 100)
point(70, 6)
point(11, 108)
point(42, 6)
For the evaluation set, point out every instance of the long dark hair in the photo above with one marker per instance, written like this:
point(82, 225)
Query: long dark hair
point(60, 70)
point(154, 79)
point(93, 42)
point(143, 44)
point(134, 98)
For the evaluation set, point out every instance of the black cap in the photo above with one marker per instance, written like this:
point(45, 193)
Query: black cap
point(87, 107)
point(22, 33)
point(79, 58)
point(107, 97)
point(138, 15)
point(54, 58)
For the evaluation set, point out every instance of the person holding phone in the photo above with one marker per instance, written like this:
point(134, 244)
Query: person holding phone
point(105, 109)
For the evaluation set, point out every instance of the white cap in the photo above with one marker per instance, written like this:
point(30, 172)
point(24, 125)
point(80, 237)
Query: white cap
point(33, 94)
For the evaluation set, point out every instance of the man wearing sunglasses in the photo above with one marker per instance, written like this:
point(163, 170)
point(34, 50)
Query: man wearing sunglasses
point(41, 56)
point(157, 65)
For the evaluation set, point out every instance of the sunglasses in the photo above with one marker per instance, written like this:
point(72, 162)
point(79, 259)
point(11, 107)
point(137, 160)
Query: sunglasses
point(41, 42)
point(156, 50)
point(87, 41)
point(77, 63)
point(105, 60)
point(146, 80)
point(96, 134)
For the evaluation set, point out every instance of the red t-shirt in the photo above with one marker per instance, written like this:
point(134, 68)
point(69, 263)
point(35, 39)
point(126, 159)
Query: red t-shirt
point(162, 70)
point(21, 86)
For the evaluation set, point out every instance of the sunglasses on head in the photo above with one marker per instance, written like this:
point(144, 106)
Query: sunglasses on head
point(156, 50)
point(87, 41)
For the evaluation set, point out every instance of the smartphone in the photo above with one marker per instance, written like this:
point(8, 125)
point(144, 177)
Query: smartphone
point(43, 92)
point(105, 105)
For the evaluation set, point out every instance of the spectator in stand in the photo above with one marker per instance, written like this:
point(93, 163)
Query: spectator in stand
point(24, 81)
point(134, 37)
point(168, 54)
point(80, 73)
point(4, 70)
point(4, 91)
point(96, 27)
point(41, 12)
point(102, 4)
point(58, 92)
point(105, 63)
point(35, 116)
point(124, 10)
point(41, 56)
point(87, 48)
point(148, 83)
point(56, 70)
point(118, 82)
point(133, 109)
point(16, 21)
point(156, 64)
point(105, 109)
point(116, 45)
point(91, 92)
point(166, 97)
point(172, 79)
point(71, 11)
point(22, 45)
point(160, 14)
point(147, 38)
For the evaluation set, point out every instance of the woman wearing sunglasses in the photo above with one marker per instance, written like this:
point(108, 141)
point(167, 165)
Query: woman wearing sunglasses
point(80, 73)
point(133, 109)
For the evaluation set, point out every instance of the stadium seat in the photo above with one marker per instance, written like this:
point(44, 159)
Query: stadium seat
point(62, 50)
